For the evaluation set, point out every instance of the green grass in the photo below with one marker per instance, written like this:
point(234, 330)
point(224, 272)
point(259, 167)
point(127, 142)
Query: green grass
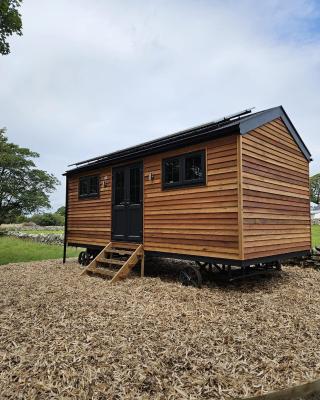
point(315, 235)
point(18, 250)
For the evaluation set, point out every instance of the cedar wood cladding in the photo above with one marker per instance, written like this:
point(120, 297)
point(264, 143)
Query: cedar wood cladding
point(276, 200)
point(89, 220)
point(200, 220)
point(192, 220)
point(263, 174)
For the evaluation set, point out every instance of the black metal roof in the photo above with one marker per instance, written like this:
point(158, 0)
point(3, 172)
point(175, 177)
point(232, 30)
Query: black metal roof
point(240, 123)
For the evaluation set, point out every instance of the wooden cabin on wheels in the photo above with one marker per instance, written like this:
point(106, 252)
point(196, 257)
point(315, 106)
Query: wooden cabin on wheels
point(230, 193)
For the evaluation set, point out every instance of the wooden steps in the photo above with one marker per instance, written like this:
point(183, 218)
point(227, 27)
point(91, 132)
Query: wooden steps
point(116, 261)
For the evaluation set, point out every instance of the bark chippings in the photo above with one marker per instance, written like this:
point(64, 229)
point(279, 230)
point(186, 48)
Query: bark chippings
point(66, 336)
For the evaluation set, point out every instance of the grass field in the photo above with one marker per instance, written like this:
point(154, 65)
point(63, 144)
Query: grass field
point(315, 235)
point(14, 250)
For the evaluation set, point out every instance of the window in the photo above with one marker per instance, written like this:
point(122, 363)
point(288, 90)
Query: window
point(184, 170)
point(119, 187)
point(135, 185)
point(172, 171)
point(89, 186)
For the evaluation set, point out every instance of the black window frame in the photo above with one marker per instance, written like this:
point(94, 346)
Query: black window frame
point(89, 195)
point(183, 182)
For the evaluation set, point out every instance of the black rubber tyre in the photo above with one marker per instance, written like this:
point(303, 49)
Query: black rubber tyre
point(87, 258)
point(278, 266)
point(81, 257)
point(191, 276)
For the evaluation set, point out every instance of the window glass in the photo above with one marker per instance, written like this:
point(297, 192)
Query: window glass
point(89, 186)
point(135, 185)
point(193, 167)
point(184, 170)
point(119, 187)
point(84, 190)
point(172, 170)
point(94, 185)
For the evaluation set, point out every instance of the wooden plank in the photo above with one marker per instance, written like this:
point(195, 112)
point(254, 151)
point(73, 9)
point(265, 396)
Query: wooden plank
point(129, 264)
point(276, 193)
point(260, 147)
point(275, 182)
point(202, 251)
point(194, 240)
point(110, 261)
point(270, 160)
point(240, 198)
point(269, 168)
point(93, 265)
point(207, 210)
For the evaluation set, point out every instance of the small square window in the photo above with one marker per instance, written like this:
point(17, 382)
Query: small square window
point(184, 170)
point(88, 186)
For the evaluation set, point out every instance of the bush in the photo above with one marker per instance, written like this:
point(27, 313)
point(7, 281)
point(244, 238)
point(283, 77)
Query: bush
point(48, 219)
point(61, 211)
point(59, 219)
point(21, 219)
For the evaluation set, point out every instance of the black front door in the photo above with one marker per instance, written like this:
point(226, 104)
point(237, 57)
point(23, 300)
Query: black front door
point(127, 203)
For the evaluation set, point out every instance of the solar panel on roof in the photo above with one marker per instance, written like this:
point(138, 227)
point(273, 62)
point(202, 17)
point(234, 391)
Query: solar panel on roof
point(217, 123)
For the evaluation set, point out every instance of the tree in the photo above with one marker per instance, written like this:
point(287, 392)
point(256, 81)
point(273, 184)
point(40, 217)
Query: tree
point(61, 210)
point(48, 219)
point(315, 188)
point(24, 189)
point(10, 23)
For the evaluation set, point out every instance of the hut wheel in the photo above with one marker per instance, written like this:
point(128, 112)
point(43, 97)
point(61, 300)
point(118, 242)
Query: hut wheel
point(84, 258)
point(81, 257)
point(278, 265)
point(191, 276)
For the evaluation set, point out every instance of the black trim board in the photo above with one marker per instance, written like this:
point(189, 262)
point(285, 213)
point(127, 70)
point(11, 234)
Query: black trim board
point(65, 223)
point(240, 125)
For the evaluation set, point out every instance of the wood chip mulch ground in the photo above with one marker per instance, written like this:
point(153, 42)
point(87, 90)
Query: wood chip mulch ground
point(63, 336)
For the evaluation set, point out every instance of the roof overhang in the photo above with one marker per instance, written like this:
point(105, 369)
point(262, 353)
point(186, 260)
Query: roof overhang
point(257, 120)
point(194, 135)
point(137, 152)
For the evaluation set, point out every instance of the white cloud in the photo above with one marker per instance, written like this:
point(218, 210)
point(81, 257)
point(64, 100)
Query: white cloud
point(92, 77)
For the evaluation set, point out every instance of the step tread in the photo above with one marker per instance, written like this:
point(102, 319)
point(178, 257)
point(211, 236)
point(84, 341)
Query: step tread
point(110, 261)
point(119, 251)
point(120, 245)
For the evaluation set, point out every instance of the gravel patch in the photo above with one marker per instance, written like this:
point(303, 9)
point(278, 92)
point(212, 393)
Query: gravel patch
point(63, 336)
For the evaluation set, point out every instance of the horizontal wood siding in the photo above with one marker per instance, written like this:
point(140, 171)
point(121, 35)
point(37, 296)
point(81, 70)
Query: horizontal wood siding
point(200, 220)
point(89, 220)
point(276, 203)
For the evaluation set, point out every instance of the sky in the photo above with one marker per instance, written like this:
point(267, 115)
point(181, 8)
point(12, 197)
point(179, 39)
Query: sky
point(88, 78)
